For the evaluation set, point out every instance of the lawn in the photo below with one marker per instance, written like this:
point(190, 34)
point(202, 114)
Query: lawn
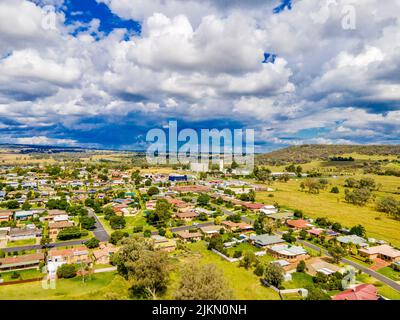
point(244, 283)
point(101, 286)
point(244, 246)
point(299, 280)
point(18, 243)
point(390, 273)
point(333, 206)
point(24, 275)
point(131, 221)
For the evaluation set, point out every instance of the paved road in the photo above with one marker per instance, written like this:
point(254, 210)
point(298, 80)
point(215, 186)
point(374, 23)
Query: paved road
point(99, 232)
point(38, 246)
point(372, 273)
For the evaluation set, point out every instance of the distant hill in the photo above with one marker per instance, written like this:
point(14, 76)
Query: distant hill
point(307, 153)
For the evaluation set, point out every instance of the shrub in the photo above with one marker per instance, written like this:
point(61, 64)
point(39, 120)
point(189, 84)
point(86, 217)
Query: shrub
point(66, 271)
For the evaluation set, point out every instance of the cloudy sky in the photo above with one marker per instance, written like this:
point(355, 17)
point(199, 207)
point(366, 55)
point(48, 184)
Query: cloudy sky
point(101, 73)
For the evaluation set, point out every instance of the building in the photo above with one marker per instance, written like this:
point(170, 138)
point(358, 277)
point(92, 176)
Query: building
point(253, 205)
point(265, 240)
point(70, 256)
point(103, 254)
point(27, 261)
point(352, 239)
point(186, 236)
point(360, 292)
point(236, 226)
point(17, 234)
point(56, 227)
point(269, 209)
point(288, 252)
point(191, 188)
point(209, 231)
point(6, 215)
point(25, 215)
point(199, 167)
point(186, 216)
point(177, 177)
point(298, 224)
point(384, 252)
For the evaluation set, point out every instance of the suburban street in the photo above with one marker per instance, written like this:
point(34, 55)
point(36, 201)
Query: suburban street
point(99, 232)
point(376, 275)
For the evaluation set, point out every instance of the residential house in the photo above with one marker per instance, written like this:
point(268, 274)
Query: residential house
point(17, 234)
point(265, 240)
point(6, 215)
point(254, 206)
point(186, 216)
point(361, 292)
point(298, 224)
point(186, 236)
point(103, 254)
point(352, 239)
point(25, 215)
point(27, 261)
point(236, 226)
point(384, 252)
point(287, 252)
point(56, 227)
point(210, 231)
point(70, 256)
point(268, 209)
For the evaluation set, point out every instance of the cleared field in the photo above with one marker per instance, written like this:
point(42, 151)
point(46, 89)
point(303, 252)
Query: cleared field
point(95, 288)
point(244, 283)
point(333, 206)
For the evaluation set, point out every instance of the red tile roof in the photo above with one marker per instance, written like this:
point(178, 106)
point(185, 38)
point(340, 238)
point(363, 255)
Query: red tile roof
point(299, 224)
point(360, 292)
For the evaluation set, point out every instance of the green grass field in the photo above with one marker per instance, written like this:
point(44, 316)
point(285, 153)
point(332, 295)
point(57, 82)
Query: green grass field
point(101, 286)
point(24, 275)
point(131, 221)
point(244, 283)
point(299, 280)
point(333, 206)
point(390, 273)
point(18, 243)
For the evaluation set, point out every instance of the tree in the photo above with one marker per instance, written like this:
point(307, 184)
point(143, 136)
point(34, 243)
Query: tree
point(202, 216)
point(358, 196)
point(315, 293)
point(289, 237)
point(153, 191)
point(273, 274)
point(70, 233)
point(117, 236)
point(248, 260)
point(12, 204)
point(147, 270)
point(336, 226)
point(358, 230)
point(337, 253)
point(335, 189)
point(26, 205)
point(87, 223)
point(262, 174)
point(66, 271)
point(117, 222)
point(203, 282)
point(92, 243)
point(203, 199)
point(390, 206)
point(301, 266)
point(303, 234)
